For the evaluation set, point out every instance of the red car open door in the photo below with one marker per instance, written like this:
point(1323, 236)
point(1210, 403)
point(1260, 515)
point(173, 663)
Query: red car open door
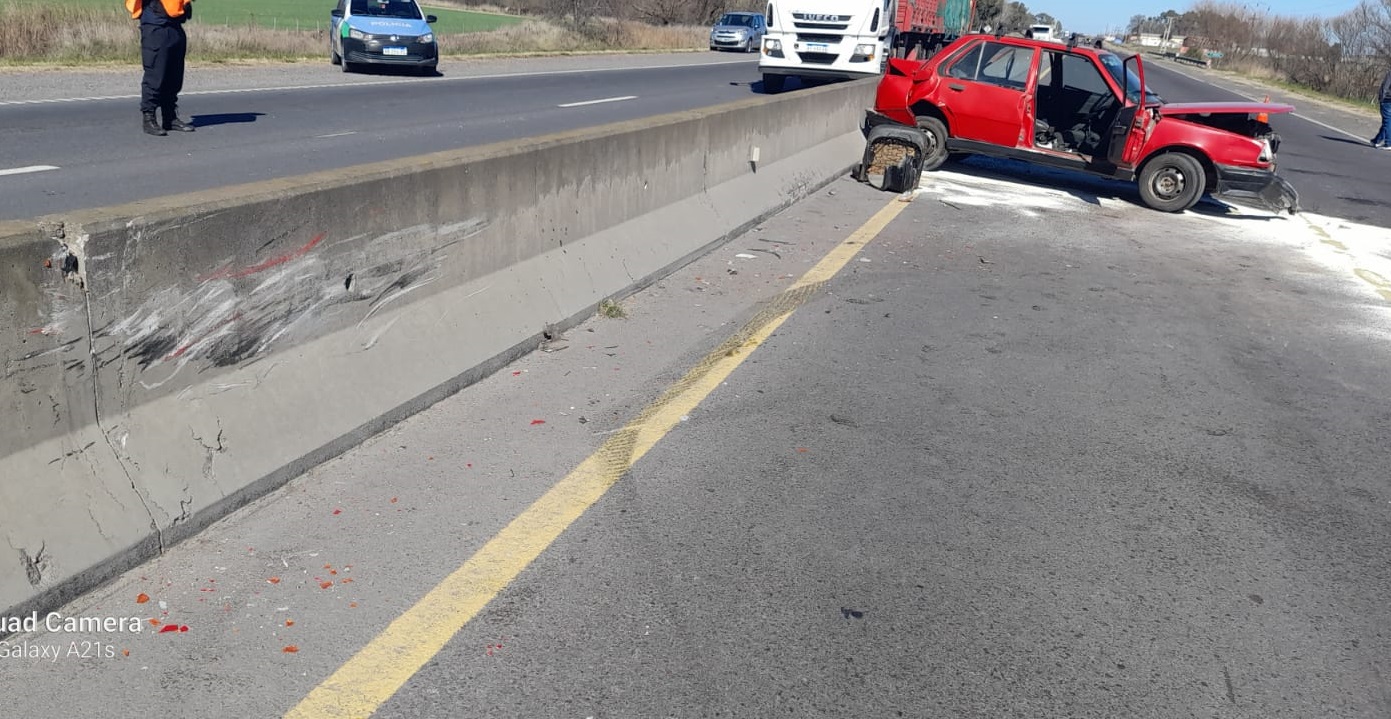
point(1128, 133)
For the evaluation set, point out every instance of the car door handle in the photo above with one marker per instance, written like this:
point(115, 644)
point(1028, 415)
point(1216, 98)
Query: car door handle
point(956, 87)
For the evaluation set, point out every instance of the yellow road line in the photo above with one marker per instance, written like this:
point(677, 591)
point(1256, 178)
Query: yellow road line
point(382, 667)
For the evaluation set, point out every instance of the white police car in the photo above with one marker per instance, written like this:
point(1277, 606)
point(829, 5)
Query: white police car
point(382, 32)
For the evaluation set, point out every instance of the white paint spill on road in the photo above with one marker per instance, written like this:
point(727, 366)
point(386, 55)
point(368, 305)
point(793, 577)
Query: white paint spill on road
point(29, 169)
point(599, 102)
point(1358, 252)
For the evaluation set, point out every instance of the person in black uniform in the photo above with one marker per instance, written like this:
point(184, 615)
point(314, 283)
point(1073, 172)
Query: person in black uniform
point(163, 46)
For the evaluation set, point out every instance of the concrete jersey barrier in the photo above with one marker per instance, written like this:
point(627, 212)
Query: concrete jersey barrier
point(166, 362)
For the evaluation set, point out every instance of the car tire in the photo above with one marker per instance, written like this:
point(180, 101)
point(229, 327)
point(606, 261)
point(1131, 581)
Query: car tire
point(936, 154)
point(1172, 182)
point(773, 83)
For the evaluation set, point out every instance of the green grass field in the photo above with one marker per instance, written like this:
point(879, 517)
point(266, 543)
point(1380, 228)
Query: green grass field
point(298, 14)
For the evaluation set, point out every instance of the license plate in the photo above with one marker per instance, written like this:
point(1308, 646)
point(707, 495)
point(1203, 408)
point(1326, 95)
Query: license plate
point(818, 47)
point(393, 51)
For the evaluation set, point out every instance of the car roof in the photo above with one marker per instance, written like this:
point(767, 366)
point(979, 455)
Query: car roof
point(1031, 42)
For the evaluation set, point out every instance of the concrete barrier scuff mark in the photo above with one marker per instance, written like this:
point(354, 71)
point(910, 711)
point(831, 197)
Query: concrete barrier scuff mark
point(224, 320)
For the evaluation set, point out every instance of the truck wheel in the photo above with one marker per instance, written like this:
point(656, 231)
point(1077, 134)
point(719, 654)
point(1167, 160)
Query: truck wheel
point(1172, 182)
point(773, 83)
point(936, 153)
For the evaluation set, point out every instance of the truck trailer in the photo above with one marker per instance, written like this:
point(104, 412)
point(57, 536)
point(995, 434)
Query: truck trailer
point(849, 39)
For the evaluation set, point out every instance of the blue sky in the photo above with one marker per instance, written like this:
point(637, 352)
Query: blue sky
point(1090, 16)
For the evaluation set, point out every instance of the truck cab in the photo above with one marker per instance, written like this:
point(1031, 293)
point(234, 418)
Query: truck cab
point(835, 39)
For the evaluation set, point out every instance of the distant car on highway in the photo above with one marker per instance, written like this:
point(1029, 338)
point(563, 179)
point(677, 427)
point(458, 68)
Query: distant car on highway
point(742, 31)
point(1078, 108)
point(382, 32)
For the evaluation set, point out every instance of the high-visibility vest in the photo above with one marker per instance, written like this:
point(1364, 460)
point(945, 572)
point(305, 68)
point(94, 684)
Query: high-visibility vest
point(174, 8)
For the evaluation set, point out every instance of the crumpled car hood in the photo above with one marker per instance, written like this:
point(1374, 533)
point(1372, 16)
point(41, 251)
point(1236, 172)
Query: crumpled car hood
point(1223, 108)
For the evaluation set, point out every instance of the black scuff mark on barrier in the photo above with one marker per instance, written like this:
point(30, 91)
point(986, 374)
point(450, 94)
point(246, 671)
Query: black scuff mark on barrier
point(400, 284)
point(70, 454)
point(148, 352)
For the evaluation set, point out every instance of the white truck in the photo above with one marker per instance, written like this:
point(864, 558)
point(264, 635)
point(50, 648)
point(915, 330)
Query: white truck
point(850, 39)
point(1046, 33)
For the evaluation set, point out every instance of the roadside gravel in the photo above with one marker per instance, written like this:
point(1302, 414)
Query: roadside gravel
point(19, 84)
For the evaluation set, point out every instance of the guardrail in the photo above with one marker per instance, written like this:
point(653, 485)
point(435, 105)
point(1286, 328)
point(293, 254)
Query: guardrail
point(1183, 59)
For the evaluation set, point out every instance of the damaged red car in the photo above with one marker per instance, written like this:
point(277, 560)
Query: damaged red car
point(1075, 108)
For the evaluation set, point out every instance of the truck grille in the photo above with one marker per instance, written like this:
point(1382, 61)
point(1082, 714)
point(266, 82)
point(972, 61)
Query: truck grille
point(817, 58)
point(827, 39)
point(807, 21)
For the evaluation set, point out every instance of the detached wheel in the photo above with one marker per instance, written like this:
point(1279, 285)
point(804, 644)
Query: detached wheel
point(773, 83)
point(1172, 182)
point(936, 153)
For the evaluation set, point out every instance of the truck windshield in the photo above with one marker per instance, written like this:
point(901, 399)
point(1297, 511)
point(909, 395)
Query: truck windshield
point(406, 9)
point(736, 20)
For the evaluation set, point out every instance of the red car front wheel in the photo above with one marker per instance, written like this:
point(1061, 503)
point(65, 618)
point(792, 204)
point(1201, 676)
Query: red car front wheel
point(1172, 182)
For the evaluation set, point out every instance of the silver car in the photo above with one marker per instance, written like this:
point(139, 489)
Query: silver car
point(738, 31)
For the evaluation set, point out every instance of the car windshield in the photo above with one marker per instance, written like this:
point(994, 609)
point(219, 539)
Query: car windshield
point(736, 20)
point(1125, 78)
point(406, 9)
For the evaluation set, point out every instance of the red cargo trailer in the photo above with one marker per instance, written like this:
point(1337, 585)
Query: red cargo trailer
point(922, 27)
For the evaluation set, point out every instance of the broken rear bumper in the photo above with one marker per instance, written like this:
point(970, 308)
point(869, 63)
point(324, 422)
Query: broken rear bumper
point(896, 152)
point(1263, 188)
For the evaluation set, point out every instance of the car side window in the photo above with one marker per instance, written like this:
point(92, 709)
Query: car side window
point(964, 67)
point(1006, 65)
point(1081, 74)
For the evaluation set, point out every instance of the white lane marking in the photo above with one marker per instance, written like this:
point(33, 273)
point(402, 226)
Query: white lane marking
point(402, 81)
point(1306, 118)
point(336, 134)
point(27, 170)
point(598, 102)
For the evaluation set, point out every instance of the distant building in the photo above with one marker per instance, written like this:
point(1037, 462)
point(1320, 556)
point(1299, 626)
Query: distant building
point(1154, 39)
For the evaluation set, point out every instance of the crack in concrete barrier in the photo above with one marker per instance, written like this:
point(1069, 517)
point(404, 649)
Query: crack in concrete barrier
point(96, 403)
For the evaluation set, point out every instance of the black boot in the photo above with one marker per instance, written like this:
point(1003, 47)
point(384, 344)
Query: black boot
point(151, 125)
point(172, 121)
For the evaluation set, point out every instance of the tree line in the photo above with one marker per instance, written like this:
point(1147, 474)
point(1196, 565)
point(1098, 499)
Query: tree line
point(1346, 55)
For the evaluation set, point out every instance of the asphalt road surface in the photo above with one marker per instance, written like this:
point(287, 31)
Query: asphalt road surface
point(1035, 451)
point(102, 158)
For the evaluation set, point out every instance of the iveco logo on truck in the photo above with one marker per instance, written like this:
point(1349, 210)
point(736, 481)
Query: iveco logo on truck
point(820, 18)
